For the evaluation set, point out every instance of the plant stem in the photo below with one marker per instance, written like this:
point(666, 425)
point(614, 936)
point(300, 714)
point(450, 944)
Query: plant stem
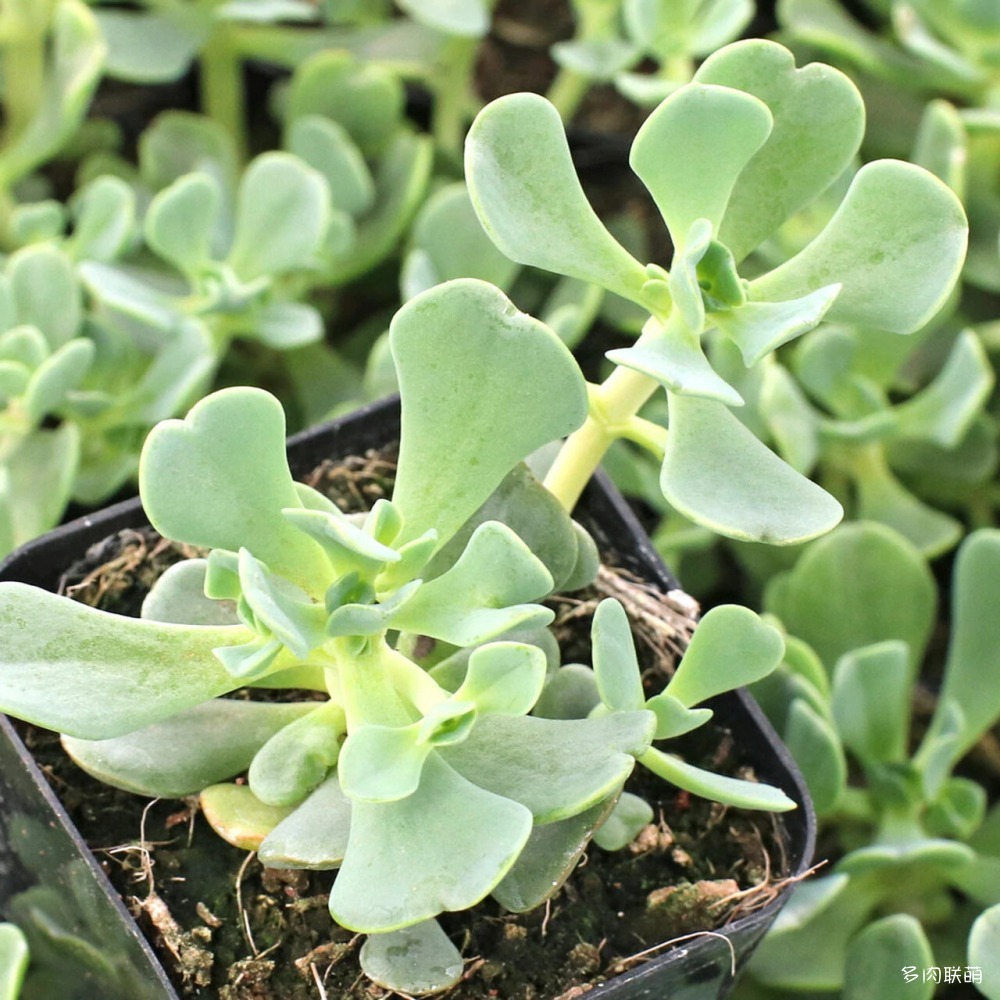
point(612, 408)
point(222, 87)
point(453, 98)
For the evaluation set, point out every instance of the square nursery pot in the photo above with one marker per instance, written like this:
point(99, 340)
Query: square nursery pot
point(86, 942)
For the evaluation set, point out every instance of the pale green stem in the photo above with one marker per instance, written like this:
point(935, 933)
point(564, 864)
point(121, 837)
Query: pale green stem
point(24, 77)
point(223, 96)
point(597, 22)
point(453, 100)
point(613, 408)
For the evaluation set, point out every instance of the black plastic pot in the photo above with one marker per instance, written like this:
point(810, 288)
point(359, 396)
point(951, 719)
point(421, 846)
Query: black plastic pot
point(39, 846)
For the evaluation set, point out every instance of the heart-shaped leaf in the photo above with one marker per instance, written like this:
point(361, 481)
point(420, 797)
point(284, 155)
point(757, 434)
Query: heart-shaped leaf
point(459, 418)
point(896, 244)
point(818, 121)
point(442, 848)
point(504, 678)
point(731, 647)
point(328, 148)
point(529, 199)
point(877, 955)
point(382, 763)
point(189, 751)
point(718, 474)
point(181, 221)
point(201, 484)
point(114, 674)
point(691, 149)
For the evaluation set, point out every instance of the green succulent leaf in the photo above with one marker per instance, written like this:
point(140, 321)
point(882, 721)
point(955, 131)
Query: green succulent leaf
point(731, 647)
point(104, 219)
point(897, 228)
point(483, 594)
point(14, 958)
point(242, 491)
point(983, 952)
point(414, 961)
point(554, 767)
point(181, 221)
point(149, 47)
point(789, 171)
point(757, 328)
point(548, 859)
point(673, 718)
point(529, 199)
point(717, 787)
point(628, 817)
point(46, 292)
point(718, 474)
point(238, 816)
point(57, 376)
point(115, 674)
point(442, 848)
point(975, 641)
point(817, 750)
point(182, 142)
point(570, 693)
point(616, 668)
point(472, 437)
point(871, 700)
point(790, 418)
point(314, 835)
point(197, 747)
point(503, 678)
point(862, 584)
point(690, 151)
point(383, 763)
point(876, 956)
point(297, 758)
point(283, 210)
point(327, 147)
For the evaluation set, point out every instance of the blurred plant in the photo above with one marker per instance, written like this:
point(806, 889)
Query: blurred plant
point(13, 961)
point(916, 856)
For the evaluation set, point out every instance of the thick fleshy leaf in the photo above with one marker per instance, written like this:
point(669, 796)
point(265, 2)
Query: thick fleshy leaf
point(718, 474)
point(241, 491)
point(148, 47)
point(757, 328)
point(816, 748)
point(315, 835)
point(983, 953)
point(672, 354)
point(555, 767)
point(691, 149)
point(113, 674)
point(459, 418)
point(717, 787)
point(673, 718)
point(413, 961)
point(46, 292)
point(483, 594)
point(616, 668)
point(186, 752)
point(570, 693)
point(731, 647)
point(283, 209)
point(871, 700)
point(896, 244)
point(382, 763)
point(504, 678)
point(56, 376)
point(182, 142)
point(328, 148)
point(861, 585)
point(104, 219)
point(874, 968)
point(818, 120)
point(628, 817)
point(13, 960)
point(443, 848)
point(297, 758)
point(464, 18)
point(525, 189)
point(238, 816)
point(944, 411)
point(548, 859)
point(974, 651)
point(790, 418)
point(180, 221)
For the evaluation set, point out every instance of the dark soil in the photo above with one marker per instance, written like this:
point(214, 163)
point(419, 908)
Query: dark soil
point(226, 927)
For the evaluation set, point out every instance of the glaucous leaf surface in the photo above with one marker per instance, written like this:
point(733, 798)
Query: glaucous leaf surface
point(459, 418)
point(414, 960)
point(195, 748)
point(876, 956)
point(983, 951)
point(114, 674)
point(529, 199)
point(716, 470)
point(816, 748)
point(241, 491)
point(312, 836)
point(862, 584)
point(238, 816)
